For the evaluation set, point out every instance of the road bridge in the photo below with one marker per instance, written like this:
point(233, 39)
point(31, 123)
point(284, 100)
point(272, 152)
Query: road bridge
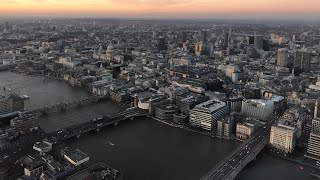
point(231, 165)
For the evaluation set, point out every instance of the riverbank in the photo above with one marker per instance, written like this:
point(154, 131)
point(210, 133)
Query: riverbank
point(294, 160)
point(181, 127)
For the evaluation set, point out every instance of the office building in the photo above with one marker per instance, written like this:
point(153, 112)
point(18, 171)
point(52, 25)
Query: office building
point(225, 128)
point(181, 119)
point(188, 103)
point(166, 112)
point(154, 34)
point(258, 108)
point(75, 156)
point(225, 40)
point(199, 48)
point(245, 129)
point(184, 37)
point(315, 87)
point(282, 137)
point(258, 41)
point(313, 150)
point(204, 36)
point(206, 114)
point(33, 166)
point(302, 60)
point(235, 103)
point(11, 103)
point(282, 58)
point(162, 44)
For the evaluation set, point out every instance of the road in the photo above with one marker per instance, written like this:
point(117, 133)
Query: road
point(236, 160)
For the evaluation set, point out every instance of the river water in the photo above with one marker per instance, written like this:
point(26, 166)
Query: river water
point(143, 148)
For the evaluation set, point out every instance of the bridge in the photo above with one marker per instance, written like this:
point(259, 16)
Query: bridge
point(231, 165)
point(97, 123)
point(71, 104)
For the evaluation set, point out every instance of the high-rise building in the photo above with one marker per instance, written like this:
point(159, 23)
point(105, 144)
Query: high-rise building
point(258, 108)
point(258, 41)
point(206, 114)
point(313, 150)
point(282, 58)
point(302, 60)
point(204, 36)
point(282, 137)
point(6, 25)
point(199, 48)
point(225, 127)
point(250, 39)
point(225, 39)
point(162, 44)
point(184, 37)
point(230, 36)
point(154, 34)
point(234, 103)
point(210, 49)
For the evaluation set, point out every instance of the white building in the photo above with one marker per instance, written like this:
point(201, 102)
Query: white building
point(282, 137)
point(68, 62)
point(316, 86)
point(76, 157)
point(206, 114)
point(258, 108)
point(246, 129)
point(196, 89)
point(313, 150)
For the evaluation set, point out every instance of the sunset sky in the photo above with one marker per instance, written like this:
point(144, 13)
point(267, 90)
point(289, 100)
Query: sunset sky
point(208, 9)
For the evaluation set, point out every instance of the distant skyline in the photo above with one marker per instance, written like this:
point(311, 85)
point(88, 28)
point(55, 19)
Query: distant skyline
point(183, 9)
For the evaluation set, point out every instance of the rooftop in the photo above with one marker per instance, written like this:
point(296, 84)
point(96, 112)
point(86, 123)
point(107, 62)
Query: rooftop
point(211, 105)
point(75, 155)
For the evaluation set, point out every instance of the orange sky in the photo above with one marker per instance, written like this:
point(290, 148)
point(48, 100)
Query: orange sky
point(161, 8)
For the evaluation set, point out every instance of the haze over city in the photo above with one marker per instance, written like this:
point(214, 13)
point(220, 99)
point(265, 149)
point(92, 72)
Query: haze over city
point(193, 9)
point(159, 89)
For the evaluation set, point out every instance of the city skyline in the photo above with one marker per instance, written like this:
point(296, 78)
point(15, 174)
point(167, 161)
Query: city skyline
point(184, 9)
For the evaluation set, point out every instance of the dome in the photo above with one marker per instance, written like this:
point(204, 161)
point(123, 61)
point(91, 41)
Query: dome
point(110, 48)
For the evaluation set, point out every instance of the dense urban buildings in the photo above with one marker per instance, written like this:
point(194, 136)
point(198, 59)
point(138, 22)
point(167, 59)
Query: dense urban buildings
point(255, 86)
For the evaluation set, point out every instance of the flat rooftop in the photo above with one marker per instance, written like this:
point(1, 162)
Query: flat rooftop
point(211, 105)
point(76, 155)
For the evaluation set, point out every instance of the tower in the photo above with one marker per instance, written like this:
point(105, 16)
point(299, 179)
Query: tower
point(302, 60)
point(204, 36)
point(282, 58)
point(184, 37)
point(316, 109)
point(258, 41)
point(154, 34)
point(230, 35)
point(162, 44)
point(225, 39)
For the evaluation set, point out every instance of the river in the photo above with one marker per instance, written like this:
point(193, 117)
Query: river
point(143, 148)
